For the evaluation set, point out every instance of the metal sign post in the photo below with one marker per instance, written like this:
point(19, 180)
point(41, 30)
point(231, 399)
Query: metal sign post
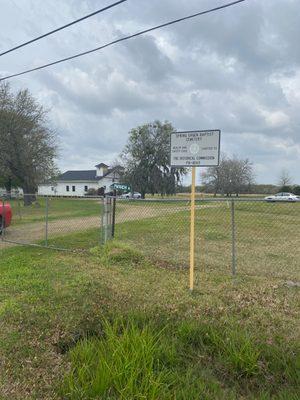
point(194, 149)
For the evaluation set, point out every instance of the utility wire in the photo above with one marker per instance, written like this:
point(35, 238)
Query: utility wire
point(123, 39)
point(63, 27)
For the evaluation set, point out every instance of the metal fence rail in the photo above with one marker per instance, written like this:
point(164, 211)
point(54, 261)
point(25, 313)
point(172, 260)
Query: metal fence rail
point(233, 236)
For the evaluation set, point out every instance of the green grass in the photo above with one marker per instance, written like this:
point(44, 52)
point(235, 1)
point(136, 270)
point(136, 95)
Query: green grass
point(113, 323)
point(134, 360)
point(66, 208)
point(263, 232)
point(123, 364)
point(60, 313)
point(58, 208)
point(267, 237)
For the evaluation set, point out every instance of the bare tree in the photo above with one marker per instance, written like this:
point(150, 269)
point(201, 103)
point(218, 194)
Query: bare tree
point(27, 145)
point(284, 178)
point(232, 176)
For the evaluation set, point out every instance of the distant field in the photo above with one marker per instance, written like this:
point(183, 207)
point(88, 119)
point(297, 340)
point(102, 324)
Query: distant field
point(206, 195)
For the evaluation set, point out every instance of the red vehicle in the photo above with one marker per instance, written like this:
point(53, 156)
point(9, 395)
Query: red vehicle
point(5, 215)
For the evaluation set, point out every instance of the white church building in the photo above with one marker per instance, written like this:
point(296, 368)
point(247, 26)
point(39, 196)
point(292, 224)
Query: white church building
point(78, 183)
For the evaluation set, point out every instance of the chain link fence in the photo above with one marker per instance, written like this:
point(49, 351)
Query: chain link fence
point(233, 236)
point(57, 222)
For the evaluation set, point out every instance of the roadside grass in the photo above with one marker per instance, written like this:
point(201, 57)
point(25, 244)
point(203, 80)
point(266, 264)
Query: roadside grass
point(230, 339)
point(63, 313)
point(123, 365)
point(133, 359)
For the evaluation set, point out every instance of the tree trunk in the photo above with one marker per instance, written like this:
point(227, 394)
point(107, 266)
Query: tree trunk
point(29, 194)
point(8, 185)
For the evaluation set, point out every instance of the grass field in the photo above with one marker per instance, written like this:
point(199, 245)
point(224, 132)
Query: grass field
point(67, 208)
point(58, 208)
point(267, 236)
point(63, 315)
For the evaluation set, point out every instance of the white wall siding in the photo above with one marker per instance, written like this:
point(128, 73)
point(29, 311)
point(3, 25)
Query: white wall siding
point(60, 188)
point(45, 190)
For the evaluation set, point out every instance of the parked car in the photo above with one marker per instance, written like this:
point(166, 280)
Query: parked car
point(5, 215)
point(283, 197)
point(134, 195)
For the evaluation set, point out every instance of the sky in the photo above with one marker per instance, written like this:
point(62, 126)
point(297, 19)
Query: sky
point(237, 70)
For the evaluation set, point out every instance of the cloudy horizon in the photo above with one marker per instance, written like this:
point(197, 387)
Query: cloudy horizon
point(237, 70)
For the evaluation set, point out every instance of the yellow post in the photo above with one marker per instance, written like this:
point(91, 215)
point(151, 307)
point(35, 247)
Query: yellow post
point(192, 230)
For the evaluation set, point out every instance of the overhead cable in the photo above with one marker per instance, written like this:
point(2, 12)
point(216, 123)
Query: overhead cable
point(122, 39)
point(62, 27)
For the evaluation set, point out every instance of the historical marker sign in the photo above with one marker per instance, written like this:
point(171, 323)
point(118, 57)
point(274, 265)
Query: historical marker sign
point(195, 148)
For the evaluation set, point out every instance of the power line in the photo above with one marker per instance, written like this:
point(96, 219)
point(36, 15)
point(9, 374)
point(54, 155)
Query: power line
point(63, 27)
point(123, 39)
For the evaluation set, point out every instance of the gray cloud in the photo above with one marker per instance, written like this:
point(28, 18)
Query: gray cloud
point(237, 70)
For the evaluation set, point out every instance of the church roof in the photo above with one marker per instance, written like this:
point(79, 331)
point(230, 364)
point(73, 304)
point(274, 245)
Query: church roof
point(86, 175)
point(101, 165)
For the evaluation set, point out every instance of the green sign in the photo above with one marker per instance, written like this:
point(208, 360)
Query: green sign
point(121, 186)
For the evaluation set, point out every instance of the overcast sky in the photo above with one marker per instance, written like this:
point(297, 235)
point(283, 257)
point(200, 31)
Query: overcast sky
point(237, 70)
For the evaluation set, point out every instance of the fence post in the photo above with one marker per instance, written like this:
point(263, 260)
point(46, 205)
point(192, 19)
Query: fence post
point(233, 238)
point(102, 222)
point(2, 227)
point(106, 219)
point(46, 221)
point(19, 207)
point(114, 214)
